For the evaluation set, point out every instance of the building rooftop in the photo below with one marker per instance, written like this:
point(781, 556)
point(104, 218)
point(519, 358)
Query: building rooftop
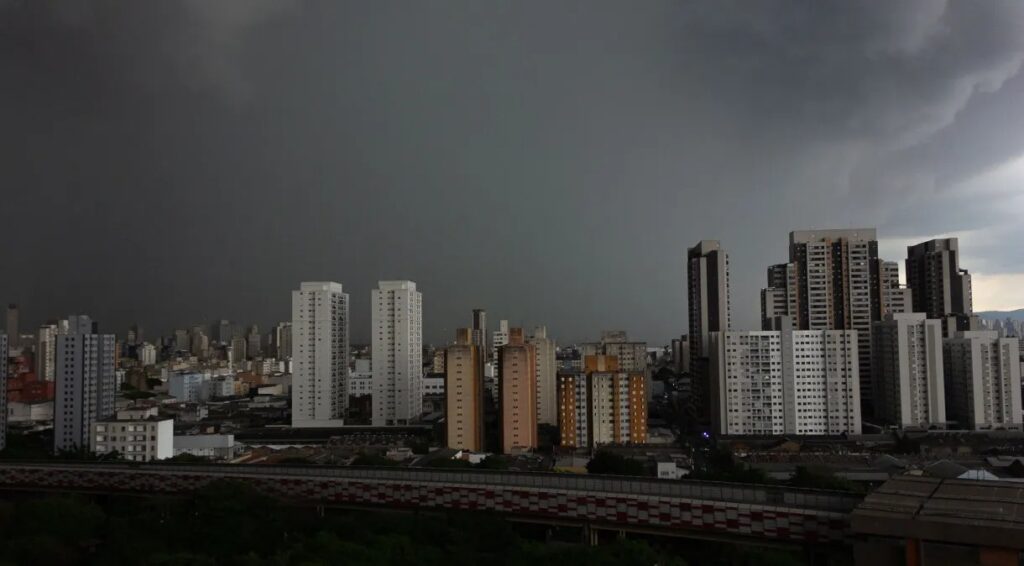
point(805, 236)
point(972, 512)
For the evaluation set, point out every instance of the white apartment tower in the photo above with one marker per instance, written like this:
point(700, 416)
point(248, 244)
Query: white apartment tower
point(908, 371)
point(146, 353)
point(85, 383)
point(46, 352)
point(547, 376)
point(499, 338)
point(983, 380)
point(283, 341)
point(795, 382)
point(397, 353)
point(835, 281)
point(319, 354)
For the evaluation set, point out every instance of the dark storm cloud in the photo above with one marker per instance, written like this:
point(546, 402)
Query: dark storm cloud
point(179, 162)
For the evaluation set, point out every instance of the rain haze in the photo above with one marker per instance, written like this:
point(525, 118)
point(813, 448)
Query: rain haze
point(170, 163)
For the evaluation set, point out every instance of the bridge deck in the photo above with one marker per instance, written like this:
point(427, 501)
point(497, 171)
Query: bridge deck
point(778, 513)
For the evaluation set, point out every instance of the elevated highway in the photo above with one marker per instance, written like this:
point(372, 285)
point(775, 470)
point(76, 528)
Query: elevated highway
point(757, 513)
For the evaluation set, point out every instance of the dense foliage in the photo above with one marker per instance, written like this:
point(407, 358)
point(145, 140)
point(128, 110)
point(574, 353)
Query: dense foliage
point(609, 463)
point(719, 465)
point(229, 523)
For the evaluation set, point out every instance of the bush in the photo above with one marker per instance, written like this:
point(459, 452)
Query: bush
point(609, 463)
point(373, 460)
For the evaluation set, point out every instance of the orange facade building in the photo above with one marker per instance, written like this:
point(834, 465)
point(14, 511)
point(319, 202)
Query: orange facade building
point(463, 389)
point(602, 405)
point(517, 382)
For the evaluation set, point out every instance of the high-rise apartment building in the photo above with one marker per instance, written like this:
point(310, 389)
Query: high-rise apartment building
point(940, 287)
point(890, 297)
point(146, 354)
point(464, 394)
point(547, 376)
point(709, 308)
point(681, 354)
point(517, 406)
point(774, 382)
point(499, 338)
point(983, 380)
point(225, 332)
point(182, 343)
point(773, 306)
point(602, 405)
point(438, 362)
point(480, 332)
point(835, 281)
point(12, 328)
point(779, 298)
point(908, 371)
point(254, 343)
point(199, 343)
point(630, 356)
point(134, 336)
point(833, 270)
point(85, 389)
point(236, 350)
point(320, 322)
point(283, 341)
point(397, 353)
point(46, 352)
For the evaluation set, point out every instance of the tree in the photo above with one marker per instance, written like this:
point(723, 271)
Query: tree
point(367, 459)
point(905, 445)
point(449, 463)
point(819, 479)
point(548, 437)
point(719, 465)
point(186, 458)
point(418, 446)
point(605, 462)
point(493, 463)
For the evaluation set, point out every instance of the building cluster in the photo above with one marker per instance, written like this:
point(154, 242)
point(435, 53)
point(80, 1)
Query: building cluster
point(78, 382)
point(321, 380)
point(506, 379)
point(844, 344)
point(843, 347)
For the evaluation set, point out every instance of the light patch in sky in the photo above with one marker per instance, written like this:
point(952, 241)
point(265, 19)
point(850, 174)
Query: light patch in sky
point(997, 291)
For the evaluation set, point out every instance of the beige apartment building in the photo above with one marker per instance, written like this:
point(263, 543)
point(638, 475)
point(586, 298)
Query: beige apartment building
point(517, 380)
point(464, 394)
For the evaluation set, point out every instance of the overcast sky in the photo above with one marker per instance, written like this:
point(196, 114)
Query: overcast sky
point(178, 162)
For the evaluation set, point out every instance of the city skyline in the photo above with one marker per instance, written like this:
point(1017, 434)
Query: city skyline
point(361, 329)
point(564, 155)
point(664, 282)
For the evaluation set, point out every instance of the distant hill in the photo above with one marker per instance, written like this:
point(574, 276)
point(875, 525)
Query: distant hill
point(1002, 315)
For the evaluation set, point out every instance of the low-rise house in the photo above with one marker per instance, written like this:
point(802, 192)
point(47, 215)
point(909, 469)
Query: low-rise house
point(137, 434)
